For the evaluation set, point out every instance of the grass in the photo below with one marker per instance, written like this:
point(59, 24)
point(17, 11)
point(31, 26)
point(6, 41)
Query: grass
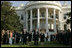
point(46, 44)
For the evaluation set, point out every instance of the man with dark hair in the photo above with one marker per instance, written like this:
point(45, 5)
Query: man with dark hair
point(42, 37)
point(36, 37)
point(13, 37)
point(17, 37)
point(24, 36)
point(29, 37)
point(5, 37)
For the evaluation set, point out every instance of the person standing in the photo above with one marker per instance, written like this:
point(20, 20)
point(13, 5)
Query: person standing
point(4, 37)
point(42, 37)
point(30, 36)
point(6, 34)
point(13, 37)
point(24, 36)
point(47, 37)
point(36, 37)
point(20, 37)
point(16, 37)
point(10, 39)
point(27, 36)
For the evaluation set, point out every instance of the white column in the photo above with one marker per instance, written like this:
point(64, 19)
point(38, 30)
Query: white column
point(27, 20)
point(38, 20)
point(47, 20)
point(47, 29)
point(59, 20)
point(55, 21)
point(30, 19)
point(24, 20)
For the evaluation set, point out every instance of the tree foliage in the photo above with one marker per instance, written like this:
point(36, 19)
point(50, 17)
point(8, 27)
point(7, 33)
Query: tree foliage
point(9, 18)
point(69, 16)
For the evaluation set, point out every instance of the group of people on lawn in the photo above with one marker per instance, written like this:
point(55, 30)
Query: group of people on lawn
point(24, 37)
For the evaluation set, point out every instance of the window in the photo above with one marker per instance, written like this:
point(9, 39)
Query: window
point(29, 17)
point(21, 17)
point(57, 16)
point(64, 17)
point(42, 14)
point(51, 16)
point(35, 15)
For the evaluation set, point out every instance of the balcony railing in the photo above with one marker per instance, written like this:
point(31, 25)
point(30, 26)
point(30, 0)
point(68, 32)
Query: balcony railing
point(52, 30)
point(50, 17)
point(35, 2)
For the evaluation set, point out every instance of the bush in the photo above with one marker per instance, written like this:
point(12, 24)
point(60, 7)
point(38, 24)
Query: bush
point(64, 38)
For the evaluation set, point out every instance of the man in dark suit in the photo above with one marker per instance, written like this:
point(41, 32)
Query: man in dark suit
point(29, 37)
point(24, 36)
point(42, 35)
point(36, 37)
point(13, 37)
point(6, 37)
point(16, 37)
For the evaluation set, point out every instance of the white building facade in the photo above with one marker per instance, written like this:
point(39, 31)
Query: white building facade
point(47, 16)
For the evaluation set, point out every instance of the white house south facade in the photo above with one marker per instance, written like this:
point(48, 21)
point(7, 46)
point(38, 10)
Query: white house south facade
point(47, 16)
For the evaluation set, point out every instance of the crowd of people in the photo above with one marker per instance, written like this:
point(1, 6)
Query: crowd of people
point(24, 37)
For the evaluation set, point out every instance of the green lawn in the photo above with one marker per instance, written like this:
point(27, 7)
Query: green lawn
point(46, 44)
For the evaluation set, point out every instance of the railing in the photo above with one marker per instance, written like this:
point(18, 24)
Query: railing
point(44, 2)
point(50, 17)
point(52, 30)
point(52, 2)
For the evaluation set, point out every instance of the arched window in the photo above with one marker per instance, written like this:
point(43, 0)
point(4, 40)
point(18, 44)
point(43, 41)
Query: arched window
point(64, 17)
point(21, 16)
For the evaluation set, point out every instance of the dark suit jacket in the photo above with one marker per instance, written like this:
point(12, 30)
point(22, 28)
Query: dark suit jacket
point(36, 36)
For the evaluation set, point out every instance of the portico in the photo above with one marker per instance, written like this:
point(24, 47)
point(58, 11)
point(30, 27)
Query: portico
point(43, 18)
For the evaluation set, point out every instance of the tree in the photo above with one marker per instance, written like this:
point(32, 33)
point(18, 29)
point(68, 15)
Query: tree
point(69, 16)
point(68, 21)
point(9, 18)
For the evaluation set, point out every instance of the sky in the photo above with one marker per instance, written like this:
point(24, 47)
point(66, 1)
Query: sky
point(18, 3)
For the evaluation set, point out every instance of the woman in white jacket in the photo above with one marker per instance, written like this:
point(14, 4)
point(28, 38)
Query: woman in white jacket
point(10, 39)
